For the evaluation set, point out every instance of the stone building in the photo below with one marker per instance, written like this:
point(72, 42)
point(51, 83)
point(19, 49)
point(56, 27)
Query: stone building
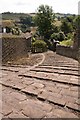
point(15, 47)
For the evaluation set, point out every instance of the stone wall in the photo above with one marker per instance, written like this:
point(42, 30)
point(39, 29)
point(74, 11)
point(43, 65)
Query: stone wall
point(15, 47)
point(67, 51)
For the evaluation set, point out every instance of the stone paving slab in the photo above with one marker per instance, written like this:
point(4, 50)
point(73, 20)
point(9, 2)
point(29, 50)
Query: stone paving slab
point(17, 115)
point(31, 108)
point(63, 114)
point(57, 60)
point(54, 93)
point(28, 93)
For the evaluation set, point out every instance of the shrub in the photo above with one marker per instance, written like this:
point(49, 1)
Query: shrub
point(58, 36)
point(33, 39)
point(23, 28)
point(67, 42)
point(66, 27)
point(39, 46)
point(61, 36)
point(70, 36)
point(15, 31)
point(54, 36)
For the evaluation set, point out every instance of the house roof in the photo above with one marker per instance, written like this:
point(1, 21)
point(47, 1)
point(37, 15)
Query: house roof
point(5, 23)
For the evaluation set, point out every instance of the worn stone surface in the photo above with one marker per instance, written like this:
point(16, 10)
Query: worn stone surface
point(63, 114)
point(6, 109)
point(49, 90)
point(35, 108)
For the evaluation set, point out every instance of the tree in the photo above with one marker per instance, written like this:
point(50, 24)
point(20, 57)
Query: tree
point(44, 21)
point(66, 27)
point(61, 36)
point(77, 21)
point(26, 20)
point(58, 36)
point(23, 28)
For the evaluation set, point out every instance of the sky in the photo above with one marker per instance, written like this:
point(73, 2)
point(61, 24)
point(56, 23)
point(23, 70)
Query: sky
point(30, 6)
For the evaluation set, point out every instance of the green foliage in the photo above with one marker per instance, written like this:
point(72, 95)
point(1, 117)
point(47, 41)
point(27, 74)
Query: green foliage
point(13, 16)
point(39, 46)
point(77, 21)
point(55, 29)
point(33, 39)
point(44, 20)
point(69, 36)
point(67, 42)
point(15, 31)
point(70, 18)
point(23, 28)
point(49, 44)
point(54, 36)
point(58, 36)
point(26, 20)
point(61, 36)
point(66, 27)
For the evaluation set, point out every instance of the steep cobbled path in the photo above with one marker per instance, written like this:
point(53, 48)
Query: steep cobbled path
point(49, 89)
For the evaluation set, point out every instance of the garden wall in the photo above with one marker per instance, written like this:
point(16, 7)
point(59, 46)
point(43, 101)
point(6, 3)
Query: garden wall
point(15, 47)
point(67, 51)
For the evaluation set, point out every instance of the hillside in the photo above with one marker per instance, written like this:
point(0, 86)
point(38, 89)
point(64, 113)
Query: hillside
point(16, 16)
point(12, 16)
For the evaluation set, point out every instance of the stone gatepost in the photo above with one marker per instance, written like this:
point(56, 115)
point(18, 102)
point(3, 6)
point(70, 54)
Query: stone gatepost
point(76, 42)
point(79, 34)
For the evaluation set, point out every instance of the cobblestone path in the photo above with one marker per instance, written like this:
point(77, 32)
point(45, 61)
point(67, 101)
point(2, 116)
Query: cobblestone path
point(50, 90)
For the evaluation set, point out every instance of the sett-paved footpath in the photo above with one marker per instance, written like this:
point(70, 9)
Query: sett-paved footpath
point(50, 90)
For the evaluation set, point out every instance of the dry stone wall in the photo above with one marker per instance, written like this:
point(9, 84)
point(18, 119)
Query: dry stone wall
point(74, 51)
point(13, 48)
point(67, 51)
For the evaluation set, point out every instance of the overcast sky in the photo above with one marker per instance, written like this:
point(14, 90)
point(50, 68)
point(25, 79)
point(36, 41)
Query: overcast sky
point(28, 6)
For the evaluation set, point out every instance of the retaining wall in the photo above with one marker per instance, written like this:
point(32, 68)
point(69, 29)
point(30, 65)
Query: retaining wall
point(67, 51)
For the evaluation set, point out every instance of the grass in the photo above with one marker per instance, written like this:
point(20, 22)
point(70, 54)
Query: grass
point(67, 42)
point(57, 23)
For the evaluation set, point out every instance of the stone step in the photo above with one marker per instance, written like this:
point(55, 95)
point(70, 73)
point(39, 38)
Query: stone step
point(54, 77)
point(59, 71)
point(18, 105)
point(45, 90)
point(60, 68)
point(56, 95)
